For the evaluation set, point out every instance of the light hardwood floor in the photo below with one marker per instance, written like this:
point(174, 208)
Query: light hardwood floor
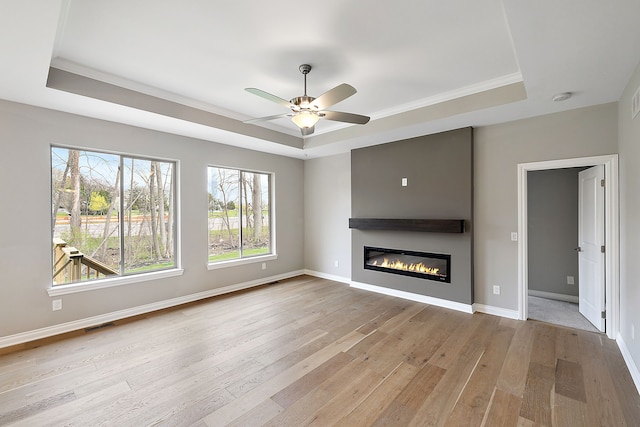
point(309, 351)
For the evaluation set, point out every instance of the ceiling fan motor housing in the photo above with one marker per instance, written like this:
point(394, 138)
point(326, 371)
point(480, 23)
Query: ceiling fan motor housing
point(302, 102)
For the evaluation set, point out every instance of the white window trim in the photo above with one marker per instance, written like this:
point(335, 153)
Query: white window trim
point(241, 261)
point(272, 226)
point(110, 282)
point(74, 288)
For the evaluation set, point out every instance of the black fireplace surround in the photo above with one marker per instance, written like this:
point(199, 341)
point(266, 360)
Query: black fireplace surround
point(409, 263)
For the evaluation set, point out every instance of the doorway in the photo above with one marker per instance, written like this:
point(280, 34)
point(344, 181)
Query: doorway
point(611, 262)
point(555, 285)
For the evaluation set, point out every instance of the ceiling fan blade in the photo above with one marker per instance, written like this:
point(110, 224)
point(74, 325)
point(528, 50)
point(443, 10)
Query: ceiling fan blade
point(339, 116)
point(270, 97)
point(265, 119)
point(333, 96)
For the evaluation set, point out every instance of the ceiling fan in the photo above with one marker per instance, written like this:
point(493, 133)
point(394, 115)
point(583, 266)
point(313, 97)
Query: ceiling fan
point(307, 110)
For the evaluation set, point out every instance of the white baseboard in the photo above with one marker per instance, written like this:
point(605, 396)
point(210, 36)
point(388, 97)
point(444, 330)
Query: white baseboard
point(467, 308)
point(631, 365)
point(497, 311)
point(552, 295)
point(75, 325)
point(328, 276)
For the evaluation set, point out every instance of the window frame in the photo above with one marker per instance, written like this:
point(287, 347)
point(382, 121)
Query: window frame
point(272, 255)
point(125, 277)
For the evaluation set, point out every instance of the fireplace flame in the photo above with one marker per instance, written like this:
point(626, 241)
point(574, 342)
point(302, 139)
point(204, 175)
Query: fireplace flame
point(399, 265)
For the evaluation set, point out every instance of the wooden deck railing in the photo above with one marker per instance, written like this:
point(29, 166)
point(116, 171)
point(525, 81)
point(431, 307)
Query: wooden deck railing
point(71, 265)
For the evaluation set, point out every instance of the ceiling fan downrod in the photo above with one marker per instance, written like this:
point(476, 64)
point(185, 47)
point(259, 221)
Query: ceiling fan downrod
point(303, 103)
point(305, 69)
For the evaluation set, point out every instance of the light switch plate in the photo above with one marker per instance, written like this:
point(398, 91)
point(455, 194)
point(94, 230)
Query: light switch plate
point(514, 236)
point(405, 182)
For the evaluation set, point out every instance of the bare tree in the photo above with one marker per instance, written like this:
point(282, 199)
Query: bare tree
point(153, 172)
point(107, 221)
point(57, 196)
point(256, 198)
point(160, 198)
point(129, 211)
point(246, 204)
point(169, 245)
point(76, 218)
point(225, 185)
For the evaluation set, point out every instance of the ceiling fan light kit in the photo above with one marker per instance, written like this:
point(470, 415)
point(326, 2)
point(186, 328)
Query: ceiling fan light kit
point(305, 119)
point(306, 110)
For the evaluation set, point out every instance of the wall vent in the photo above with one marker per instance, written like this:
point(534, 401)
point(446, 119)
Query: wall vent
point(93, 328)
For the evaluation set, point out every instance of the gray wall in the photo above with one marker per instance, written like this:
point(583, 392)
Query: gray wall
point(630, 221)
point(327, 207)
point(25, 248)
point(498, 149)
point(553, 230)
point(439, 172)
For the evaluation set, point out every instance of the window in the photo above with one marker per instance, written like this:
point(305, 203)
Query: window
point(112, 215)
point(239, 214)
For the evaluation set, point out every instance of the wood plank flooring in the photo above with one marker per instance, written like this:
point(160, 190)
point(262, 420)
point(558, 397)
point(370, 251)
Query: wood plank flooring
point(309, 351)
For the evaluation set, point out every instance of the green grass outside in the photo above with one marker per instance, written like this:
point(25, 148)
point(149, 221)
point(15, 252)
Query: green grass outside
point(157, 266)
point(236, 254)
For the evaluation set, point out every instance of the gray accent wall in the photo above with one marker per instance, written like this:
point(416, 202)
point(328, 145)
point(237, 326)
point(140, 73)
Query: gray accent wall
point(25, 248)
point(553, 230)
point(439, 173)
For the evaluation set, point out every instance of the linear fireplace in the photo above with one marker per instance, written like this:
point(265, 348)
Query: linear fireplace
point(409, 263)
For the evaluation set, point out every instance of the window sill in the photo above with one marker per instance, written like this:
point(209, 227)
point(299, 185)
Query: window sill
point(241, 261)
point(111, 282)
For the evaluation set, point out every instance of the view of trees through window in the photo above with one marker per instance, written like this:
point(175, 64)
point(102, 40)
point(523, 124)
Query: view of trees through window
point(239, 204)
point(111, 215)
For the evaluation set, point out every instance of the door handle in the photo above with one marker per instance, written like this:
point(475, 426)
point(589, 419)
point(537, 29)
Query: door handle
point(578, 249)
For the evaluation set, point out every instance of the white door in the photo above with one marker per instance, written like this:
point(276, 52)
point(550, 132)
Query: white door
point(590, 244)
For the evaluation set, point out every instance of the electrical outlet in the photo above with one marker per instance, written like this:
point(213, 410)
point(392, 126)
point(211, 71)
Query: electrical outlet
point(264, 265)
point(514, 236)
point(405, 182)
point(336, 263)
point(496, 290)
point(570, 280)
point(56, 305)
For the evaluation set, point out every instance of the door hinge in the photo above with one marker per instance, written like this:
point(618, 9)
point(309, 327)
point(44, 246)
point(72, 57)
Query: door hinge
point(602, 183)
point(603, 314)
point(602, 248)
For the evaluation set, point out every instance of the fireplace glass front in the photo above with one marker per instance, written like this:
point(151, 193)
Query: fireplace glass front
point(409, 263)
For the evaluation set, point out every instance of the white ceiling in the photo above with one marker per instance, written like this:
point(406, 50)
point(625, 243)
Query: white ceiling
point(420, 66)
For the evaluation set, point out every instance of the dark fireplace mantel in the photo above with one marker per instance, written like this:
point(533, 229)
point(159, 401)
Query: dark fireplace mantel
point(399, 224)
